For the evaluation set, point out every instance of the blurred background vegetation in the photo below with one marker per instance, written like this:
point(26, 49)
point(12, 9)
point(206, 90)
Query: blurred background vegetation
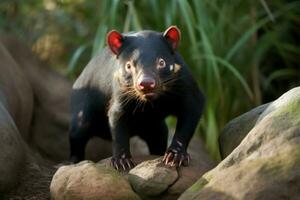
point(242, 53)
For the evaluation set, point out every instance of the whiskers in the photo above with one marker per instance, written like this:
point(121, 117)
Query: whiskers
point(168, 86)
point(169, 81)
point(129, 94)
point(134, 100)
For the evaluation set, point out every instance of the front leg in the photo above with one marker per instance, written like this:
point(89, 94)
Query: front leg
point(187, 120)
point(121, 159)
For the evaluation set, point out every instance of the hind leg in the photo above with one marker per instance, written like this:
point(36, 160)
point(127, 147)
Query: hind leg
point(79, 136)
point(88, 119)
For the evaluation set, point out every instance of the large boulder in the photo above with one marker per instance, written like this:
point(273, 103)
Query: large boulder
point(51, 91)
point(17, 92)
point(12, 106)
point(12, 154)
point(23, 171)
point(266, 164)
point(34, 179)
point(235, 131)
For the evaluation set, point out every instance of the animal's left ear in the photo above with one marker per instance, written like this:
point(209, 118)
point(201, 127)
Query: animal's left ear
point(173, 35)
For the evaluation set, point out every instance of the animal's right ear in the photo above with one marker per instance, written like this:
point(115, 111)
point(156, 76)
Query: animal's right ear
point(173, 35)
point(115, 41)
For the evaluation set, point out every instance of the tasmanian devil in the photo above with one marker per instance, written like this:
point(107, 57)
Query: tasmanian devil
point(129, 89)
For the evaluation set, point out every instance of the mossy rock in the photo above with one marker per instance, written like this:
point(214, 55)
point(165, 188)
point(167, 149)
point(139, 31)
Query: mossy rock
point(266, 164)
point(237, 129)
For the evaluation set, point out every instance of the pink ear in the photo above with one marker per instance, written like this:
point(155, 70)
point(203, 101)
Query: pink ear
point(114, 41)
point(172, 34)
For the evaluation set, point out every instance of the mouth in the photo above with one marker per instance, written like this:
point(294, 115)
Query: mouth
point(150, 94)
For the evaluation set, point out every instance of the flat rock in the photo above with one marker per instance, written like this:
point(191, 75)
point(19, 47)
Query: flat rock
point(153, 180)
point(90, 181)
point(152, 177)
point(266, 164)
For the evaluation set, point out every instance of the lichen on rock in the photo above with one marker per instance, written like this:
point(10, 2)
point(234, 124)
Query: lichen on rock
point(266, 164)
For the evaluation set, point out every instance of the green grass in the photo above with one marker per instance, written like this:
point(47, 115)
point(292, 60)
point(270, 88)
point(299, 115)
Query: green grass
point(227, 44)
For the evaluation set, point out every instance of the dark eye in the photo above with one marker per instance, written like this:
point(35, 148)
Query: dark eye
point(161, 63)
point(128, 67)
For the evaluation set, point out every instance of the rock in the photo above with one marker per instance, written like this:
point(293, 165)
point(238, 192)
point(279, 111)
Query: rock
point(152, 177)
point(152, 180)
point(201, 162)
point(187, 176)
point(34, 179)
point(266, 164)
point(17, 92)
point(235, 131)
point(199, 155)
point(12, 154)
point(90, 181)
point(51, 91)
point(21, 177)
point(12, 107)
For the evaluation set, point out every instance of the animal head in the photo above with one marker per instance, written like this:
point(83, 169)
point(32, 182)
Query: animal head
point(147, 60)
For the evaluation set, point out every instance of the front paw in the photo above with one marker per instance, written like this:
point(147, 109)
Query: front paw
point(124, 163)
point(173, 157)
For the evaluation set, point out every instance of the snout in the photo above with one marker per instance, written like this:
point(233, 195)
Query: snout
point(147, 85)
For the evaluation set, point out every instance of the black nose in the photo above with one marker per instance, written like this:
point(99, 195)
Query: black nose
point(146, 83)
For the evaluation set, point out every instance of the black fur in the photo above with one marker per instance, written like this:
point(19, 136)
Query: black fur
point(101, 105)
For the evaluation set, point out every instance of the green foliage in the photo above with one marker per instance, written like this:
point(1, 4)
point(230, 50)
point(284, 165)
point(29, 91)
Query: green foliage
point(231, 46)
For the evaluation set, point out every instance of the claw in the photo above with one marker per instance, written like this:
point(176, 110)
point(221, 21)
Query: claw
point(181, 160)
point(122, 163)
point(172, 164)
point(169, 157)
point(128, 164)
point(112, 163)
point(188, 159)
point(175, 157)
point(116, 166)
point(165, 157)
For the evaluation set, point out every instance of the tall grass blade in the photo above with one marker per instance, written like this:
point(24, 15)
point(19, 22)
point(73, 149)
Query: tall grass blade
point(74, 59)
point(281, 74)
point(233, 70)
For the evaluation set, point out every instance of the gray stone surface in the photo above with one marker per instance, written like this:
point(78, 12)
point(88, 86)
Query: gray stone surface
point(236, 130)
point(151, 178)
point(266, 164)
